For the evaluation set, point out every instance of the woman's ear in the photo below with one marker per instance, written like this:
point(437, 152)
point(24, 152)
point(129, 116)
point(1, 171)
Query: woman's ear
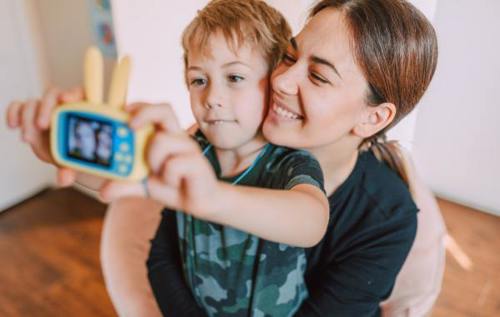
point(375, 119)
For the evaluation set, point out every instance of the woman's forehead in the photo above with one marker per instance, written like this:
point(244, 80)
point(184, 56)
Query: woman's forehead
point(327, 36)
point(326, 31)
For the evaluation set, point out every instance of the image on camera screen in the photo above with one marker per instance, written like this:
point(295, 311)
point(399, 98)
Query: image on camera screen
point(90, 140)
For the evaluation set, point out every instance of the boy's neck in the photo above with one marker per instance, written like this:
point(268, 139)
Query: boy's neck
point(234, 161)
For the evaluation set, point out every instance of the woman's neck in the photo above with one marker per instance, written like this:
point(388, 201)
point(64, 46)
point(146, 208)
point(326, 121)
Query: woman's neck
point(337, 161)
point(234, 161)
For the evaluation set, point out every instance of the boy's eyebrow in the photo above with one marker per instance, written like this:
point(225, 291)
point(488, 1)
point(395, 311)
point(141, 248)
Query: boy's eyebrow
point(294, 43)
point(194, 68)
point(224, 65)
point(235, 63)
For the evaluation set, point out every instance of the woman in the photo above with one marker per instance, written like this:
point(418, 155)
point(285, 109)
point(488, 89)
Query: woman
point(356, 69)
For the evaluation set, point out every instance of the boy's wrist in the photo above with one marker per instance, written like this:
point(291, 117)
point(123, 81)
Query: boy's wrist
point(216, 207)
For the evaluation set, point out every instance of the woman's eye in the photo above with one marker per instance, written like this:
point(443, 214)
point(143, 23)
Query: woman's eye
point(317, 77)
point(198, 82)
point(235, 78)
point(288, 59)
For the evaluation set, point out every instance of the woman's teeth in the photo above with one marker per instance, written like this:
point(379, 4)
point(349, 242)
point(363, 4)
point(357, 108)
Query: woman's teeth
point(285, 113)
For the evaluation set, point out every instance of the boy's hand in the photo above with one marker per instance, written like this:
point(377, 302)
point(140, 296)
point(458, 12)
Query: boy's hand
point(181, 177)
point(33, 119)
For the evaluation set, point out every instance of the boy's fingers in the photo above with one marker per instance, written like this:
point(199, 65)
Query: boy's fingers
point(189, 167)
point(14, 114)
point(113, 190)
point(131, 107)
point(180, 167)
point(28, 121)
point(74, 95)
point(161, 115)
point(48, 103)
point(163, 193)
point(164, 145)
point(65, 177)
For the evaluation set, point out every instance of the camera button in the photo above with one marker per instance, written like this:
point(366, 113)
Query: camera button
point(123, 168)
point(124, 147)
point(128, 159)
point(122, 132)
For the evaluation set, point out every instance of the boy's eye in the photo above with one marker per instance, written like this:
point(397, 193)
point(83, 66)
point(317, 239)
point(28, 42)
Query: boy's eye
point(288, 59)
point(198, 82)
point(235, 78)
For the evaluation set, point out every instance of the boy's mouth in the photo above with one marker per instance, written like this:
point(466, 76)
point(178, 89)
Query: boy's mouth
point(284, 112)
point(219, 121)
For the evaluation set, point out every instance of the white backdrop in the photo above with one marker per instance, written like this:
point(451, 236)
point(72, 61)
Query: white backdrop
point(21, 76)
point(457, 141)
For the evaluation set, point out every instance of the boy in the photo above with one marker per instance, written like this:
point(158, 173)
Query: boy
point(230, 50)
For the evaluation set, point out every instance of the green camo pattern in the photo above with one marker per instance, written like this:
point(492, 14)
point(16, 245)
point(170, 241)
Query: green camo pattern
point(233, 273)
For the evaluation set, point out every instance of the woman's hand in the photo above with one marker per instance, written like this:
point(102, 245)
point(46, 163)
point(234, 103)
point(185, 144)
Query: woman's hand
point(181, 177)
point(33, 117)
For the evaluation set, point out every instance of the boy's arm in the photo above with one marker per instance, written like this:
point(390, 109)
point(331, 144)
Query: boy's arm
point(165, 272)
point(297, 217)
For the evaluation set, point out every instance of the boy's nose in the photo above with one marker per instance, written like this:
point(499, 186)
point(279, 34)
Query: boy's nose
point(213, 98)
point(211, 105)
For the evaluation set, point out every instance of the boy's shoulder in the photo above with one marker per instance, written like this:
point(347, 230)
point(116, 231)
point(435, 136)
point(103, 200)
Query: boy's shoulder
point(282, 155)
point(285, 167)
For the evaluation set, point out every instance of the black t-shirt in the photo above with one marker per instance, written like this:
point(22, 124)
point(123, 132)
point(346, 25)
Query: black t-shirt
point(373, 222)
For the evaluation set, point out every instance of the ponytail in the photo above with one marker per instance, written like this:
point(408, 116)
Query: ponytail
point(389, 152)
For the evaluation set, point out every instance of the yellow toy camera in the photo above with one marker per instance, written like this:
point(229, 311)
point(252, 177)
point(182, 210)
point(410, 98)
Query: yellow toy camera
point(94, 137)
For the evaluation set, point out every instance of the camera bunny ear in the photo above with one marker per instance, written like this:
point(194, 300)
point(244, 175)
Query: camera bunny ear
point(93, 75)
point(119, 83)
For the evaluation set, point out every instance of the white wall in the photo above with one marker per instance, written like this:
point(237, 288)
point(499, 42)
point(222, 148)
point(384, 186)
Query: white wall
point(457, 140)
point(21, 76)
point(67, 33)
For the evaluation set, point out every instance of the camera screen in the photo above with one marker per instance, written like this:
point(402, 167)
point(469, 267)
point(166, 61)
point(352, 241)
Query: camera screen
point(90, 140)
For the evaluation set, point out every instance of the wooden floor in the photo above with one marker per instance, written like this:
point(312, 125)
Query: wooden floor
point(49, 252)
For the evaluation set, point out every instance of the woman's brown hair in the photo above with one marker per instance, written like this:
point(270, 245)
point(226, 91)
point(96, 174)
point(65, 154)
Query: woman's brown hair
point(396, 48)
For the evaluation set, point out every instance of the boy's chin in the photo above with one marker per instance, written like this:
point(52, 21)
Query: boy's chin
point(226, 145)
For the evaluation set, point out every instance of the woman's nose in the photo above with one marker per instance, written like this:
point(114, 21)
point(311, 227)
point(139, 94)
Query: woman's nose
point(285, 81)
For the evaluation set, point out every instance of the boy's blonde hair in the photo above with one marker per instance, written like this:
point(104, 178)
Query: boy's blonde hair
point(241, 22)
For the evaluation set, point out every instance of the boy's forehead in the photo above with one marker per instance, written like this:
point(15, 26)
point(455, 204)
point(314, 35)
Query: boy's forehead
point(217, 46)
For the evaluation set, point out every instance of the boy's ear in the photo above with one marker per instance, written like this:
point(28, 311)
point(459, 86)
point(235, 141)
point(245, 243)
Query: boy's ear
point(375, 119)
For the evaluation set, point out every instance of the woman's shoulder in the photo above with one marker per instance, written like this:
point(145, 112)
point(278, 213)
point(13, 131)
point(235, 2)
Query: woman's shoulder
point(385, 186)
point(375, 188)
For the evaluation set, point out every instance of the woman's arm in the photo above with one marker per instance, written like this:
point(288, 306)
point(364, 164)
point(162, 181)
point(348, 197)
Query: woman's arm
point(165, 272)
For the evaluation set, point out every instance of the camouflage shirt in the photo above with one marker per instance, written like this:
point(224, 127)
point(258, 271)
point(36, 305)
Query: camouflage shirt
point(234, 273)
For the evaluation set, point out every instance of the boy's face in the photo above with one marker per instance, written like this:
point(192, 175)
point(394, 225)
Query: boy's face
point(228, 92)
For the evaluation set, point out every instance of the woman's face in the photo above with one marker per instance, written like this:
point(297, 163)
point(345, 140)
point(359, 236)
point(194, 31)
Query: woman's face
point(318, 91)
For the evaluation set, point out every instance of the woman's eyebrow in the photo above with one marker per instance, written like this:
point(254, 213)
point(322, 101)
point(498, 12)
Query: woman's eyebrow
point(322, 61)
point(316, 59)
